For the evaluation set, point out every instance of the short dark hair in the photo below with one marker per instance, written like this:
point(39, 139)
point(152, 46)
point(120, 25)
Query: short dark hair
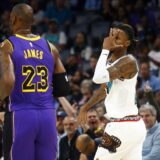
point(142, 61)
point(53, 21)
point(92, 110)
point(128, 29)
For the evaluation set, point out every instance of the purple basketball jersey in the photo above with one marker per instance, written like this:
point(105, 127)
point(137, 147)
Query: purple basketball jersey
point(33, 66)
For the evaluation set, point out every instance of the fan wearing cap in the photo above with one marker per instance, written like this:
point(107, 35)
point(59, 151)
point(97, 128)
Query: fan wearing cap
point(124, 134)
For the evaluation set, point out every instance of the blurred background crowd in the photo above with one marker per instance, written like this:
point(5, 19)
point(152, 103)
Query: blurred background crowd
point(77, 29)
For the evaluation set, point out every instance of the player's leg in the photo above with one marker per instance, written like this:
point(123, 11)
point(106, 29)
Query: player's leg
point(7, 135)
point(46, 146)
point(104, 154)
point(113, 129)
point(137, 142)
point(128, 133)
point(135, 153)
point(24, 135)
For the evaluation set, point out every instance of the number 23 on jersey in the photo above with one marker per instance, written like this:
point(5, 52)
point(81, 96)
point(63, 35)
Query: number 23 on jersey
point(30, 72)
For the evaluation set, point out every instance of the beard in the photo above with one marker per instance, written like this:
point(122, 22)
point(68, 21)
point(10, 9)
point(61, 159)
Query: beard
point(69, 131)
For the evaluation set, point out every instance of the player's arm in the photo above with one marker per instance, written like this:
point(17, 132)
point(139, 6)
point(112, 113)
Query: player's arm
point(125, 68)
point(58, 67)
point(7, 77)
point(67, 106)
point(60, 81)
point(98, 96)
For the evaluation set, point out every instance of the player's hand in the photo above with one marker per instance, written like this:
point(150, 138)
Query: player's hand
point(82, 117)
point(109, 42)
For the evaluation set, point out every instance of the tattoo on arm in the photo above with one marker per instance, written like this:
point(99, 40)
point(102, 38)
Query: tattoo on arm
point(97, 97)
point(125, 68)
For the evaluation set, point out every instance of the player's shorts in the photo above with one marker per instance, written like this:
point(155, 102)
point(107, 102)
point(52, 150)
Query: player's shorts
point(131, 134)
point(34, 135)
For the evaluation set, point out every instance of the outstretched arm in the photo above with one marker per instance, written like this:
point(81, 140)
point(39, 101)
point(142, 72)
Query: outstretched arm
point(7, 77)
point(97, 97)
point(67, 106)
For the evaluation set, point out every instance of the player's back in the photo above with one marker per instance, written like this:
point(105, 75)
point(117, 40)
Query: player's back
point(33, 67)
point(121, 97)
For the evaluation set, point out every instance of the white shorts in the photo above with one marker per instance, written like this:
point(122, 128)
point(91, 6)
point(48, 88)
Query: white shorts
point(131, 134)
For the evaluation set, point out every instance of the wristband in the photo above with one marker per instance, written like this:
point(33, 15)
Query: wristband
point(105, 52)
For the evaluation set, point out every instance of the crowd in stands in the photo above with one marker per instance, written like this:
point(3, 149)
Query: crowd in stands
point(77, 29)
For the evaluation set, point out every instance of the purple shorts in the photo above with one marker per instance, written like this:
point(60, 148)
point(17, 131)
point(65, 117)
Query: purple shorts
point(34, 135)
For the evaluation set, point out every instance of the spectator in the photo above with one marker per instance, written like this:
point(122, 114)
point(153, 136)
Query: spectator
point(60, 128)
point(86, 90)
point(59, 123)
point(151, 99)
point(59, 12)
point(157, 96)
point(107, 10)
point(77, 5)
point(71, 65)
point(145, 76)
point(100, 108)
point(77, 77)
point(151, 146)
point(87, 146)
point(67, 148)
point(158, 25)
point(80, 48)
point(92, 64)
point(58, 38)
point(38, 13)
point(92, 5)
point(142, 50)
point(93, 124)
point(70, 111)
point(121, 15)
point(4, 27)
point(75, 95)
point(154, 56)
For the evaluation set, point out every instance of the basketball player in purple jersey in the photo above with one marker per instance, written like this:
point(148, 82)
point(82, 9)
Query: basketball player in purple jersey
point(30, 71)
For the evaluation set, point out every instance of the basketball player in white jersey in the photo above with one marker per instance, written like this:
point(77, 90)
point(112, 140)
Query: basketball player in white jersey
point(124, 135)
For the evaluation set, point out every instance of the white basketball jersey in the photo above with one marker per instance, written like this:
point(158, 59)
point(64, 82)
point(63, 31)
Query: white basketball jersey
point(121, 97)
